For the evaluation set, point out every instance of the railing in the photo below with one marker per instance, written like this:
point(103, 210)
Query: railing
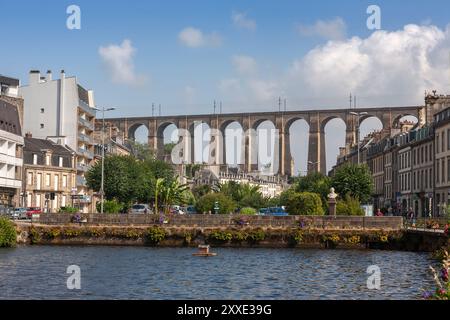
point(82, 167)
point(86, 123)
point(86, 108)
point(85, 153)
point(84, 138)
point(81, 181)
point(199, 220)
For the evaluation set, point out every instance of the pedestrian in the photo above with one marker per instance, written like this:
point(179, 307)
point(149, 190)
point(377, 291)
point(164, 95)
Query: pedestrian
point(379, 213)
point(411, 216)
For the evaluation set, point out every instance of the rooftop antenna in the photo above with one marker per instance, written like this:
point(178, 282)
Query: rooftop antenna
point(214, 107)
point(351, 99)
point(153, 109)
point(285, 105)
point(279, 104)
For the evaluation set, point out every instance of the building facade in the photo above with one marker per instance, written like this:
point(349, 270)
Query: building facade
point(62, 110)
point(11, 143)
point(49, 180)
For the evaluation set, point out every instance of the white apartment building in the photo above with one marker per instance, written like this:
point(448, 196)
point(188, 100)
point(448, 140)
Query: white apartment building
point(11, 143)
point(62, 110)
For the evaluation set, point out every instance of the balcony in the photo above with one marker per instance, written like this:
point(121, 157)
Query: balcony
point(82, 167)
point(85, 123)
point(10, 183)
point(86, 108)
point(85, 153)
point(81, 181)
point(84, 138)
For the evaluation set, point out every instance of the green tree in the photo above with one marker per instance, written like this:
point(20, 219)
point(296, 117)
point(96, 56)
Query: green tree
point(304, 203)
point(244, 194)
point(316, 183)
point(349, 207)
point(8, 235)
point(173, 194)
point(110, 206)
point(206, 203)
point(354, 180)
point(200, 190)
point(248, 211)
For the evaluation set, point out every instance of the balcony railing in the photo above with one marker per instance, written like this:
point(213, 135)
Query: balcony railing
point(86, 123)
point(81, 181)
point(84, 138)
point(85, 153)
point(86, 108)
point(82, 167)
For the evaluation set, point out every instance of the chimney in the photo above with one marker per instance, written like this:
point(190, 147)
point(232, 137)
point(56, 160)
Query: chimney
point(49, 75)
point(34, 77)
point(63, 74)
point(28, 135)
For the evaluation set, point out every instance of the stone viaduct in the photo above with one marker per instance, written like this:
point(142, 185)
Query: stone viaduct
point(316, 119)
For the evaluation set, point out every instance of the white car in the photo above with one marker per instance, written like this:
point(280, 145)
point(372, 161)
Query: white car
point(19, 214)
point(140, 209)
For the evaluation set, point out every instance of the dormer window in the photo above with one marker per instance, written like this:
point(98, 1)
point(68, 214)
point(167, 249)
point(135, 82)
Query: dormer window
point(47, 159)
point(35, 158)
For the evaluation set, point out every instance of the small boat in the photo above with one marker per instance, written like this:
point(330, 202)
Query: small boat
point(203, 251)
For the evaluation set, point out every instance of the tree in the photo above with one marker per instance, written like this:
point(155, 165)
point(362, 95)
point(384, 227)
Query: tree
point(354, 180)
point(124, 178)
point(349, 207)
point(174, 193)
point(304, 203)
point(200, 190)
point(244, 194)
point(316, 183)
point(207, 202)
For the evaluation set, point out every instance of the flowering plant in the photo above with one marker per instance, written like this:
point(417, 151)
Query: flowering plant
point(442, 291)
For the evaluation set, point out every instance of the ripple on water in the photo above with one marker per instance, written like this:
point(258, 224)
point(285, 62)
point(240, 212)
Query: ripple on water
point(39, 272)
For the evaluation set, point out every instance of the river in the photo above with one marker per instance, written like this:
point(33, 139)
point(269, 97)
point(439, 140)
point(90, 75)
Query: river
point(39, 272)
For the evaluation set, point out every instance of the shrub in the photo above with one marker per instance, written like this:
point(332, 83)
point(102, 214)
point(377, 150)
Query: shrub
point(219, 235)
point(304, 203)
point(8, 235)
point(206, 203)
point(240, 236)
point(68, 210)
point(155, 235)
point(248, 211)
point(256, 235)
point(297, 236)
point(349, 206)
point(34, 235)
point(110, 206)
point(52, 233)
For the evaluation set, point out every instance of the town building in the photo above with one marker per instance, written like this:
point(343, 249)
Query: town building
point(50, 173)
point(114, 141)
point(62, 110)
point(11, 143)
point(442, 160)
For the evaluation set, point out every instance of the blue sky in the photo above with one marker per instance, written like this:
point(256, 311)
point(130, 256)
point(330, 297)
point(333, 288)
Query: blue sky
point(186, 79)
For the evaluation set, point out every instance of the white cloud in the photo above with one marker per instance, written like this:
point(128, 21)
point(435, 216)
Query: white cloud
point(334, 29)
point(244, 65)
point(385, 68)
point(189, 94)
point(195, 38)
point(119, 62)
point(240, 20)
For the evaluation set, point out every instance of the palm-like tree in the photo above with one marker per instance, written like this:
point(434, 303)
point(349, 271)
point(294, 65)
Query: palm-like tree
point(169, 194)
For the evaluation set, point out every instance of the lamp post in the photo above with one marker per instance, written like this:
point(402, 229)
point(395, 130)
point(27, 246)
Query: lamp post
point(102, 184)
point(359, 115)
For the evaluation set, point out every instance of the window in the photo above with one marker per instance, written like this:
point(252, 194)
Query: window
point(47, 180)
point(38, 181)
point(47, 159)
point(426, 153)
point(30, 178)
point(60, 161)
point(437, 143)
point(443, 170)
point(448, 139)
point(64, 182)
point(448, 168)
point(42, 126)
point(437, 171)
point(35, 158)
point(442, 142)
point(56, 182)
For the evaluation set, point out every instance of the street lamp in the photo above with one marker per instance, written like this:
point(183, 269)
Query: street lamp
point(102, 185)
point(359, 115)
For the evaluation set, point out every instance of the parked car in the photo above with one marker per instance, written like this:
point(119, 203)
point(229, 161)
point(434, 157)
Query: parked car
point(190, 210)
point(19, 213)
point(278, 212)
point(33, 210)
point(175, 209)
point(264, 211)
point(140, 209)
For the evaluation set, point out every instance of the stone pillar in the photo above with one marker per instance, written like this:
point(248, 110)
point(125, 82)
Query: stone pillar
point(282, 148)
point(316, 146)
point(153, 135)
point(251, 152)
point(350, 132)
point(216, 145)
point(332, 203)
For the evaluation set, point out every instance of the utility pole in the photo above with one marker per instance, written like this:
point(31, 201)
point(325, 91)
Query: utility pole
point(279, 104)
point(153, 109)
point(214, 107)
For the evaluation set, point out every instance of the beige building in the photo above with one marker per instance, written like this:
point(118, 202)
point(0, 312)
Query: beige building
point(442, 159)
point(50, 175)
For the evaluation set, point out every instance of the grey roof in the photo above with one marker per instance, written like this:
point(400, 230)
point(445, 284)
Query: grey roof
point(9, 81)
point(9, 118)
point(37, 145)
